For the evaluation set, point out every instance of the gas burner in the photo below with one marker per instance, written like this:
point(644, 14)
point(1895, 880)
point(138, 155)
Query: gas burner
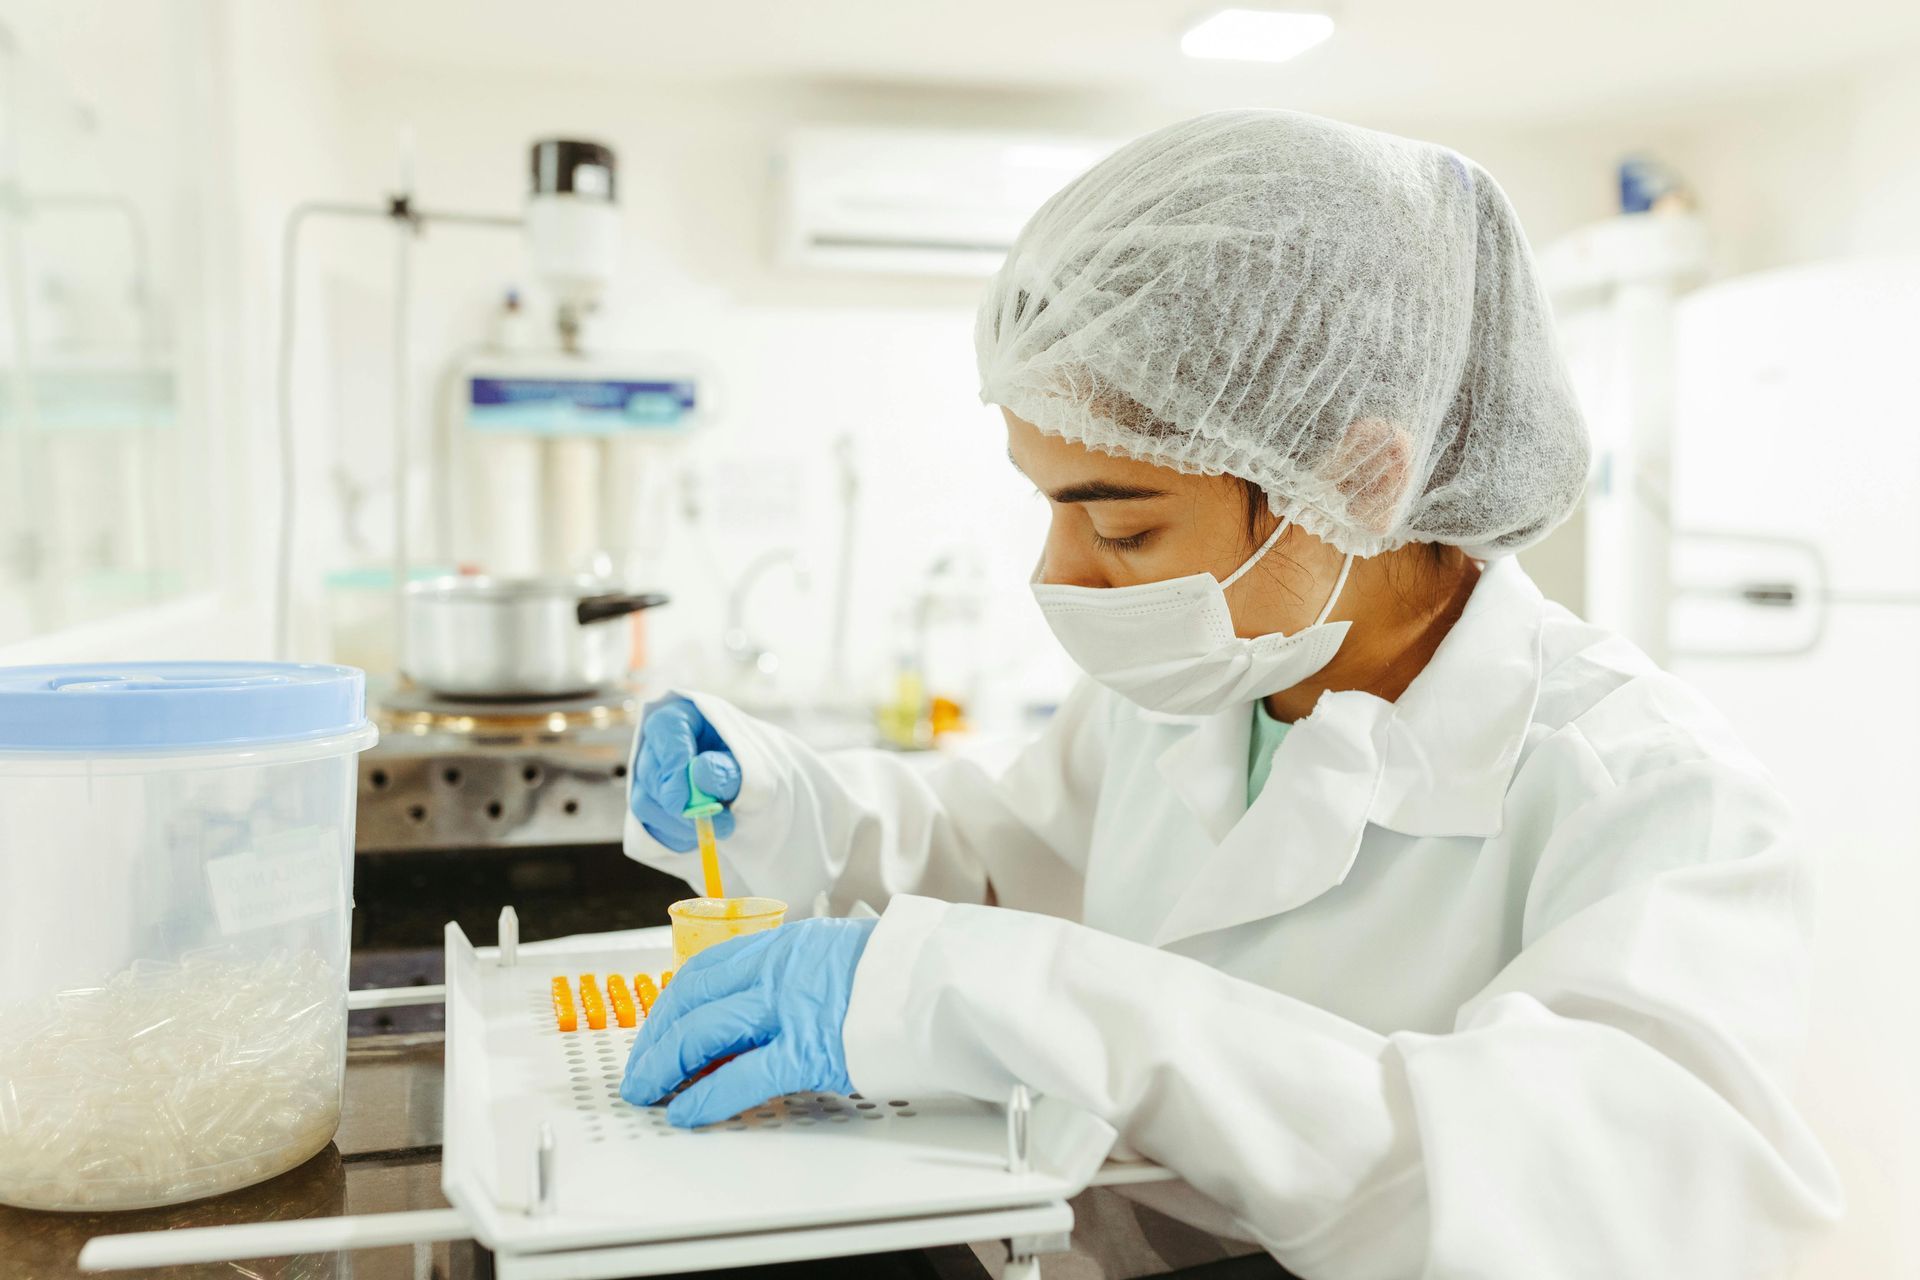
point(465, 774)
point(408, 708)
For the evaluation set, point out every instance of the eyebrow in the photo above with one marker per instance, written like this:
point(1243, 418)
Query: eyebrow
point(1098, 491)
point(1103, 491)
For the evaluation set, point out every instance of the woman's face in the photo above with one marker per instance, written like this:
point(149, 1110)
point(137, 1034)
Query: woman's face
point(1118, 522)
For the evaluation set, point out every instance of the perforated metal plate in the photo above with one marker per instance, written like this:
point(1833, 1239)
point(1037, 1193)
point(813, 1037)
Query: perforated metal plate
point(595, 1061)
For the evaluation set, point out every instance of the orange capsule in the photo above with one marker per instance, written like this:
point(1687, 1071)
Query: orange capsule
point(665, 978)
point(645, 992)
point(620, 999)
point(591, 1004)
point(563, 1014)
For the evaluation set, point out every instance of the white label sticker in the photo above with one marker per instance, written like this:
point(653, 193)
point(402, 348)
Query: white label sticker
point(290, 877)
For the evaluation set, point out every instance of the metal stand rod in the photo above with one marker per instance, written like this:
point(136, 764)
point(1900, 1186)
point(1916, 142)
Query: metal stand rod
point(145, 1250)
point(541, 1205)
point(1019, 1130)
point(25, 545)
point(402, 454)
point(1023, 1252)
point(409, 221)
point(396, 997)
point(1021, 1268)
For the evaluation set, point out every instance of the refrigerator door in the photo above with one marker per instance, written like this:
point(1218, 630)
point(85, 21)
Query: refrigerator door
point(1745, 595)
point(1797, 415)
point(1796, 508)
point(1837, 728)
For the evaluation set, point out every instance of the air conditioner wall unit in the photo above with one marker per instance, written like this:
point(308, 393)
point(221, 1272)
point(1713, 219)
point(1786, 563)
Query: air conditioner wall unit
point(916, 202)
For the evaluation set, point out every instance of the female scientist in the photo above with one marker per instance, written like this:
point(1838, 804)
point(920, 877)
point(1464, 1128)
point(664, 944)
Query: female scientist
point(1419, 926)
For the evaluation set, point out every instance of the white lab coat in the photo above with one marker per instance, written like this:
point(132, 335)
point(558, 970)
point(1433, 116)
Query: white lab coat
point(1503, 979)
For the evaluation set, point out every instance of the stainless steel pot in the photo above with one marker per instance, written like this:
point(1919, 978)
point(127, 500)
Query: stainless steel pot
point(474, 637)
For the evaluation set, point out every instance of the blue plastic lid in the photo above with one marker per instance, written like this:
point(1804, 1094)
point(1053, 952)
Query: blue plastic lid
point(114, 706)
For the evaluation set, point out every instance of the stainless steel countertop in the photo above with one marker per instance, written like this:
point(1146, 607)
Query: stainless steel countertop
point(385, 1158)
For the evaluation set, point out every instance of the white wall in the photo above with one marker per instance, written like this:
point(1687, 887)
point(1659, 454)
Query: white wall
point(1822, 168)
point(1830, 169)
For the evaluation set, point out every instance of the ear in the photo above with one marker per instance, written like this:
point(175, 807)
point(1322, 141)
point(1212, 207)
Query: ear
point(1372, 469)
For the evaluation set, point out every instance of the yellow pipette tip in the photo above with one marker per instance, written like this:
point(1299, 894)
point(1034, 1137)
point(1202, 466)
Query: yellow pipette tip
point(701, 807)
point(709, 857)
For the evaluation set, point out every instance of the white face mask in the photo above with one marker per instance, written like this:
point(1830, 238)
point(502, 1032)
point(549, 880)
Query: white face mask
point(1169, 646)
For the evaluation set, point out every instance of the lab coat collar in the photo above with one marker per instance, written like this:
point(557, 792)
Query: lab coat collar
point(1456, 733)
point(1435, 763)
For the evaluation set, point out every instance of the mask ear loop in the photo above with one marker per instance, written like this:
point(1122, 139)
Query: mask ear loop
point(1339, 585)
point(1254, 559)
point(1346, 567)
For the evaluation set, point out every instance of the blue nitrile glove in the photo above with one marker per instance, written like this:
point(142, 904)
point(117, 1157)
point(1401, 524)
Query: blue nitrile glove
point(778, 999)
point(672, 736)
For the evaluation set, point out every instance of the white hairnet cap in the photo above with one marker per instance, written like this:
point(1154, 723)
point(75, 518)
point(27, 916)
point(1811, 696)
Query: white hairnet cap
point(1347, 319)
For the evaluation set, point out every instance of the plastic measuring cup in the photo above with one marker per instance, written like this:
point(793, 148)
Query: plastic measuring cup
point(699, 923)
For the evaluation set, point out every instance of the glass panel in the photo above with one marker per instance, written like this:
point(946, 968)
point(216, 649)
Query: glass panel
point(98, 192)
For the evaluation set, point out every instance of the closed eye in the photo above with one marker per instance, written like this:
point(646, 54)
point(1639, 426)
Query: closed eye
point(1132, 542)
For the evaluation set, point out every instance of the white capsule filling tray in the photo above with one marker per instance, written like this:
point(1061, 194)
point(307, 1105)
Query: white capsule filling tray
point(541, 1153)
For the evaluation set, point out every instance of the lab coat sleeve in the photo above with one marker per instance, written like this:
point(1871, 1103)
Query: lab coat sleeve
point(829, 832)
point(1613, 1104)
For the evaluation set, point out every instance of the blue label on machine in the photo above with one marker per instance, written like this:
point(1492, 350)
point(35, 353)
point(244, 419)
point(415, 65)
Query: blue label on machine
point(578, 406)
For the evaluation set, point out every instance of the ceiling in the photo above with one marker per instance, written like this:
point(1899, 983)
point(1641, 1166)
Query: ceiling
point(1461, 59)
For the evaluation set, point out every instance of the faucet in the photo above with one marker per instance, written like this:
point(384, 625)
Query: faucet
point(739, 644)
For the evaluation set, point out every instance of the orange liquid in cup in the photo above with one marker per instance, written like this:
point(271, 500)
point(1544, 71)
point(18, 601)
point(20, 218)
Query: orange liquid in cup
point(699, 923)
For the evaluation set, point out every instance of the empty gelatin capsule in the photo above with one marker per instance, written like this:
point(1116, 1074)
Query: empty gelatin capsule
point(645, 992)
point(620, 999)
point(563, 1013)
point(591, 1004)
point(665, 978)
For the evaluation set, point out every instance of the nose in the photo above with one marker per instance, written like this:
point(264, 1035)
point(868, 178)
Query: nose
point(1065, 558)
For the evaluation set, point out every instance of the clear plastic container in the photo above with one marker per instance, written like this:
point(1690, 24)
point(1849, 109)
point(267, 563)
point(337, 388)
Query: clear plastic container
point(699, 923)
point(176, 861)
